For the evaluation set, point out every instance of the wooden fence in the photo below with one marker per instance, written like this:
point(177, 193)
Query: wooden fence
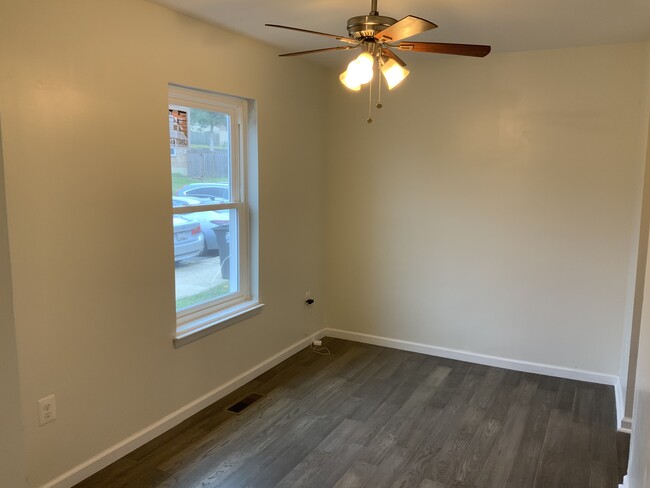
point(204, 164)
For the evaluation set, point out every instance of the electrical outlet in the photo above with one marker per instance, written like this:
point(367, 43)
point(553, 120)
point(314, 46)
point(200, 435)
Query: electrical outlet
point(46, 410)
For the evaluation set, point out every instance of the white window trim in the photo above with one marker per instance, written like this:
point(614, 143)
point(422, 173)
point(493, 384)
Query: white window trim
point(207, 324)
point(200, 320)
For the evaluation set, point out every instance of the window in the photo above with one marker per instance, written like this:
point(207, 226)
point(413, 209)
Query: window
point(210, 212)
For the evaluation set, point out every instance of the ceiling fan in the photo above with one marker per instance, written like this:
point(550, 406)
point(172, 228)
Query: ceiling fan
point(379, 36)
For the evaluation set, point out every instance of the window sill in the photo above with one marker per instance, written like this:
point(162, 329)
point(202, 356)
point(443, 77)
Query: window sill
point(196, 329)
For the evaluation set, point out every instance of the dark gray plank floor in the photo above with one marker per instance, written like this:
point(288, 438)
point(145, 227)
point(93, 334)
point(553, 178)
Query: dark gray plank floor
point(369, 416)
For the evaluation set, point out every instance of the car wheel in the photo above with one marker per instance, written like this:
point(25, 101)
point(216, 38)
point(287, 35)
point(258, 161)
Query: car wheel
point(204, 251)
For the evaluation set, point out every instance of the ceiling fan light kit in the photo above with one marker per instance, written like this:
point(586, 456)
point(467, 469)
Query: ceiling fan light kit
point(379, 36)
point(359, 72)
point(393, 73)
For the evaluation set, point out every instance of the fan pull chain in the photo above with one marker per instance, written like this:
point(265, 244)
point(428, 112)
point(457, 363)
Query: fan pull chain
point(370, 103)
point(379, 105)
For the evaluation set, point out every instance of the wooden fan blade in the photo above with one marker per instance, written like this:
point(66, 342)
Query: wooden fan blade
point(334, 36)
point(445, 48)
point(407, 27)
point(337, 48)
point(391, 55)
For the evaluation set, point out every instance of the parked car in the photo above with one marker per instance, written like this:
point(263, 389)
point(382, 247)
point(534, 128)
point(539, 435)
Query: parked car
point(188, 238)
point(208, 220)
point(185, 201)
point(207, 192)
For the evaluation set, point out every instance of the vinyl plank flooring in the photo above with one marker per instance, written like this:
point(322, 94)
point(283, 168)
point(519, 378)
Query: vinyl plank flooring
point(373, 417)
point(388, 469)
point(446, 463)
point(223, 455)
point(476, 455)
point(604, 405)
point(603, 445)
point(565, 395)
point(501, 457)
point(431, 484)
point(601, 476)
point(577, 471)
point(584, 406)
point(269, 466)
point(528, 454)
point(622, 453)
point(335, 466)
point(303, 472)
point(356, 476)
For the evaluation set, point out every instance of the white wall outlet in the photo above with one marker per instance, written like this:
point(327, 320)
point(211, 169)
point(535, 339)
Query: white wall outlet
point(317, 343)
point(46, 410)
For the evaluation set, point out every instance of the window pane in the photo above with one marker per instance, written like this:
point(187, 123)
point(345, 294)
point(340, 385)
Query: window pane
point(200, 155)
point(214, 272)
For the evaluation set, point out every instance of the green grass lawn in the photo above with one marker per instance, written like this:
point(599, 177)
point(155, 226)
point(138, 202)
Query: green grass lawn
point(179, 181)
point(209, 294)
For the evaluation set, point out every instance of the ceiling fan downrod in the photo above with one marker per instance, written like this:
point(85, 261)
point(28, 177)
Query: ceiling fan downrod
point(364, 27)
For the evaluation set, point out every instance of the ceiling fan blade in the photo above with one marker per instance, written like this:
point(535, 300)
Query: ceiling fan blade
point(334, 36)
point(445, 48)
point(391, 55)
point(407, 27)
point(337, 48)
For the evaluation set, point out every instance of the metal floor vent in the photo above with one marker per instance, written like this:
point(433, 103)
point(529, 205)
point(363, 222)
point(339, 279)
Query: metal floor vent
point(242, 405)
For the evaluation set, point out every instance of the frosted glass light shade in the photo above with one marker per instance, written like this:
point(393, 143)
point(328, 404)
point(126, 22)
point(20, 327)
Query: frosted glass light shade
point(348, 82)
point(393, 73)
point(359, 72)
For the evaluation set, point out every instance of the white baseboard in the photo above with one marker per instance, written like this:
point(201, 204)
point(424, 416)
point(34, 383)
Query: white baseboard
point(513, 364)
point(620, 408)
point(119, 450)
point(626, 425)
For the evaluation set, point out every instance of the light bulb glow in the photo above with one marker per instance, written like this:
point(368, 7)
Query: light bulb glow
point(393, 73)
point(366, 60)
point(348, 82)
point(359, 72)
point(361, 69)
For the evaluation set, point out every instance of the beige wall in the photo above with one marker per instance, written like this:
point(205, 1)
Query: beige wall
point(11, 444)
point(492, 206)
point(84, 86)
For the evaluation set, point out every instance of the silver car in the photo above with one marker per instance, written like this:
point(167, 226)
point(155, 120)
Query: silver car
point(209, 219)
point(188, 238)
point(206, 192)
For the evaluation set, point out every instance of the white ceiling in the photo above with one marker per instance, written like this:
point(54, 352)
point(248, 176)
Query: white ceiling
point(506, 25)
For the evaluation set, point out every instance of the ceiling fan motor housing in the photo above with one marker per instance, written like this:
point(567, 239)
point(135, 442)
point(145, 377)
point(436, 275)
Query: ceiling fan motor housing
point(366, 26)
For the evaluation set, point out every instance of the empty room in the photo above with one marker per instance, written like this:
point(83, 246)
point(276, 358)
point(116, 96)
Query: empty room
point(408, 244)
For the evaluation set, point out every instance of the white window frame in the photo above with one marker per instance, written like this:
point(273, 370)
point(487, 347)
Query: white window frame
point(205, 318)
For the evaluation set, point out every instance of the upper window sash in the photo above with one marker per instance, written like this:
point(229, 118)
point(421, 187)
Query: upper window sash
point(235, 108)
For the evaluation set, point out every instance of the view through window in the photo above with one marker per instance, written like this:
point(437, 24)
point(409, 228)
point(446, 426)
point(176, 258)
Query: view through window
point(208, 201)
